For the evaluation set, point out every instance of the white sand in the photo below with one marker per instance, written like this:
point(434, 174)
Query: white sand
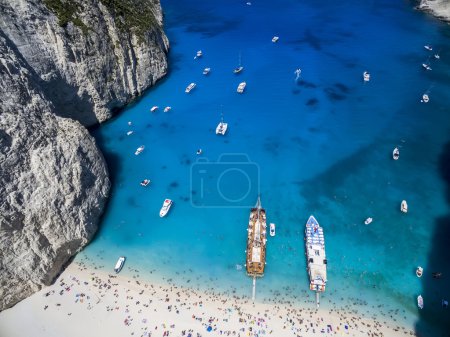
point(84, 302)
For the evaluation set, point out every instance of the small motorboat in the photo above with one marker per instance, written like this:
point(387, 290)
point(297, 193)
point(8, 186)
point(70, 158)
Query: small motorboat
point(119, 264)
point(419, 271)
point(436, 56)
point(167, 108)
point(425, 98)
point(199, 151)
point(129, 133)
point(275, 39)
point(198, 54)
point(154, 108)
point(368, 221)
point(206, 71)
point(237, 70)
point(145, 182)
point(190, 87)
point(272, 229)
point(426, 66)
point(139, 149)
point(396, 153)
point(241, 87)
point(404, 206)
point(428, 47)
point(420, 301)
point(366, 76)
point(165, 207)
point(129, 123)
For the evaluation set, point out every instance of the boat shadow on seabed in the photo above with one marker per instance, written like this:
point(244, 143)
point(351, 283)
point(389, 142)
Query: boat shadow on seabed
point(434, 319)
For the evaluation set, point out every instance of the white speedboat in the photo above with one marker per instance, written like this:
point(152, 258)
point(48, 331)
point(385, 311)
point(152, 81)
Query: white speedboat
point(368, 221)
point(190, 87)
point(129, 123)
point(119, 264)
point(420, 301)
point(241, 87)
point(154, 108)
point(221, 128)
point(165, 207)
point(145, 182)
point(198, 54)
point(167, 108)
point(366, 76)
point(272, 229)
point(428, 47)
point(426, 66)
point(275, 39)
point(425, 98)
point(404, 207)
point(206, 71)
point(436, 56)
point(139, 149)
point(396, 153)
point(199, 151)
point(237, 70)
point(419, 271)
point(129, 133)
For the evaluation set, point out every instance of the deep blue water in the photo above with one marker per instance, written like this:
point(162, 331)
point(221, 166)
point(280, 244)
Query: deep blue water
point(321, 145)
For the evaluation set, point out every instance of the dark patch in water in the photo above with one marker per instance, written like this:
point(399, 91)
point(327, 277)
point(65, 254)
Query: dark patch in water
point(309, 38)
point(174, 184)
point(342, 87)
point(164, 125)
point(306, 84)
point(131, 202)
point(226, 141)
point(299, 141)
point(185, 199)
point(148, 126)
point(333, 95)
point(313, 130)
point(295, 91)
point(312, 102)
point(164, 167)
point(271, 146)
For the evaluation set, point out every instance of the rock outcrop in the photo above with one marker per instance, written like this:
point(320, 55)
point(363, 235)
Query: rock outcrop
point(63, 64)
point(438, 8)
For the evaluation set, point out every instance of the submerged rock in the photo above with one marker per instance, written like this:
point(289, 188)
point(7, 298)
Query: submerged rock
point(63, 64)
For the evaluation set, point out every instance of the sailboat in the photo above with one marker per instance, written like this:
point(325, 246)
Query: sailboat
point(239, 68)
point(221, 127)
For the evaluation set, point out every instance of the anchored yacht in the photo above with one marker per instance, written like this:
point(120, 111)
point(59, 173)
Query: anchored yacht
point(165, 207)
point(139, 149)
point(190, 87)
point(119, 264)
point(241, 87)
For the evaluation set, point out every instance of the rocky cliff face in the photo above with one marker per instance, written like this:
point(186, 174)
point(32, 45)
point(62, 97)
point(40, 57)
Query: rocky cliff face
point(438, 8)
point(62, 64)
point(92, 56)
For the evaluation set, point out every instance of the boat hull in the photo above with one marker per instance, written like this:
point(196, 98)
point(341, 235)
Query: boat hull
point(316, 257)
point(256, 242)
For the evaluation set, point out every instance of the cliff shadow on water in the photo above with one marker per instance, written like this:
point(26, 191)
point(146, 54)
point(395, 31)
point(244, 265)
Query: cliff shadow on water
point(434, 318)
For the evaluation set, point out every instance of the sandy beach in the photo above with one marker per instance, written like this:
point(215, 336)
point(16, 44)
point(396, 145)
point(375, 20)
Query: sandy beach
point(87, 302)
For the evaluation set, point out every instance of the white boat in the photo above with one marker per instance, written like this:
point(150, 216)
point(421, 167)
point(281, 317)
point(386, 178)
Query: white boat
point(425, 98)
point(275, 39)
point(129, 123)
point(154, 108)
point(206, 71)
point(167, 108)
point(239, 68)
point(221, 128)
point(404, 207)
point(272, 229)
point(165, 207)
point(426, 66)
point(316, 258)
point(366, 76)
point(419, 271)
point(436, 56)
point(129, 133)
point(428, 47)
point(139, 149)
point(368, 221)
point(241, 87)
point(199, 151)
point(420, 301)
point(145, 182)
point(396, 153)
point(198, 54)
point(119, 264)
point(190, 87)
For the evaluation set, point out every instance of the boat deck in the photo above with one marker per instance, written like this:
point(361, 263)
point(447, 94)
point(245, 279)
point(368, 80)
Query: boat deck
point(256, 242)
point(315, 252)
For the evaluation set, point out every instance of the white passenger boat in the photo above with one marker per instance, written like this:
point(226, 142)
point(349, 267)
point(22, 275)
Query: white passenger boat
point(404, 206)
point(366, 76)
point(368, 221)
point(275, 39)
point(145, 182)
point(190, 87)
point(272, 229)
point(165, 207)
point(428, 47)
point(241, 87)
point(139, 149)
point(396, 154)
point(119, 264)
point(154, 108)
point(425, 98)
point(420, 301)
point(426, 66)
point(206, 71)
point(419, 271)
point(167, 108)
point(315, 253)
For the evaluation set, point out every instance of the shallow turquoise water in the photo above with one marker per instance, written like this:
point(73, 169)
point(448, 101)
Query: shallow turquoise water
point(321, 145)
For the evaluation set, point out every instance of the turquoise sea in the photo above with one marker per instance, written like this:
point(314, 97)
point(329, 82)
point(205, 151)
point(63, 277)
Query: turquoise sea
point(318, 145)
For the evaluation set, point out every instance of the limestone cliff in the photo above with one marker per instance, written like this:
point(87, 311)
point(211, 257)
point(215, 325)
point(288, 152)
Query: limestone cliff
point(63, 63)
point(438, 8)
